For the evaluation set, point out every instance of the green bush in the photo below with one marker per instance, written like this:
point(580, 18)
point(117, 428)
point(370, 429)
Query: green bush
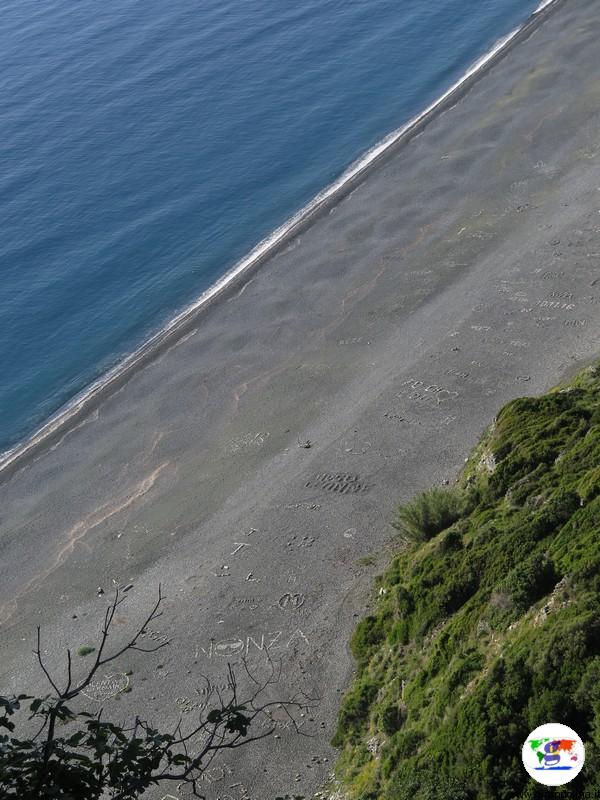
point(392, 717)
point(85, 650)
point(368, 635)
point(529, 581)
point(588, 487)
point(427, 514)
point(450, 542)
point(355, 709)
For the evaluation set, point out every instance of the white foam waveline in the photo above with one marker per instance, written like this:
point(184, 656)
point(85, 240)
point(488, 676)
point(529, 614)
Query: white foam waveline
point(258, 252)
point(542, 6)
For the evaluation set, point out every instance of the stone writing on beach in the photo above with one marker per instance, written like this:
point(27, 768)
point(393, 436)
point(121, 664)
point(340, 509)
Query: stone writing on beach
point(549, 275)
point(398, 416)
point(186, 705)
point(216, 774)
point(238, 546)
point(107, 687)
point(449, 420)
point(241, 793)
point(557, 305)
point(298, 506)
point(245, 602)
point(291, 601)
point(247, 644)
point(430, 392)
point(155, 636)
point(305, 541)
point(467, 377)
point(342, 483)
point(244, 442)
point(354, 340)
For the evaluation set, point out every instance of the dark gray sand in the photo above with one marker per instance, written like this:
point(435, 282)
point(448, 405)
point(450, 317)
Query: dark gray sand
point(464, 272)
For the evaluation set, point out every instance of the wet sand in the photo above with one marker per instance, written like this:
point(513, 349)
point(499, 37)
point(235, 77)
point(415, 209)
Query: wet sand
point(463, 272)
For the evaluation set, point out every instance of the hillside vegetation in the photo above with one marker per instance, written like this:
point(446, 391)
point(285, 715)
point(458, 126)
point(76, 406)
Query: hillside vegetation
point(487, 623)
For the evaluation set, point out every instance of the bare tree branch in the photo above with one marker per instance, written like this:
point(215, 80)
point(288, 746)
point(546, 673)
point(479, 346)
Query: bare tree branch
point(38, 653)
point(126, 761)
point(131, 644)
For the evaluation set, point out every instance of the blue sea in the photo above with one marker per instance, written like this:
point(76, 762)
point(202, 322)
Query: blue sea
point(146, 146)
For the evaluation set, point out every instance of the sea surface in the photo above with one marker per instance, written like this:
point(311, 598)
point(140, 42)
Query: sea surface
point(146, 146)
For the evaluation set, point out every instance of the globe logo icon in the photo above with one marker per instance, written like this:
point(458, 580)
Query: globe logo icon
point(553, 754)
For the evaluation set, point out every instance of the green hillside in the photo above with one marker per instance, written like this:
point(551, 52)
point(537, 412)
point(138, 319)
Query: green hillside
point(487, 622)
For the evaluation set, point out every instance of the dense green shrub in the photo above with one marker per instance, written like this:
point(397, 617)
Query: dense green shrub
point(368, 635)
point(428, 513)
point(529, 581)
point(588, 487)
point(392, 717)
point(355, 709)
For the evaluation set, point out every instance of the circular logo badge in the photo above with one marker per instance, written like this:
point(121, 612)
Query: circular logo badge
point(553, 754)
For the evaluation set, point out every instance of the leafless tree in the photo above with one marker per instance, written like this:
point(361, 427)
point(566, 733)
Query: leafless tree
point(100, 759)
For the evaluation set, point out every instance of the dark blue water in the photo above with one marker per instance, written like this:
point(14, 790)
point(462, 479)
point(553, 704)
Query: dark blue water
point(145, 146)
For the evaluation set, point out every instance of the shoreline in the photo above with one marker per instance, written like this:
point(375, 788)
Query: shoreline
point(86, 401)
